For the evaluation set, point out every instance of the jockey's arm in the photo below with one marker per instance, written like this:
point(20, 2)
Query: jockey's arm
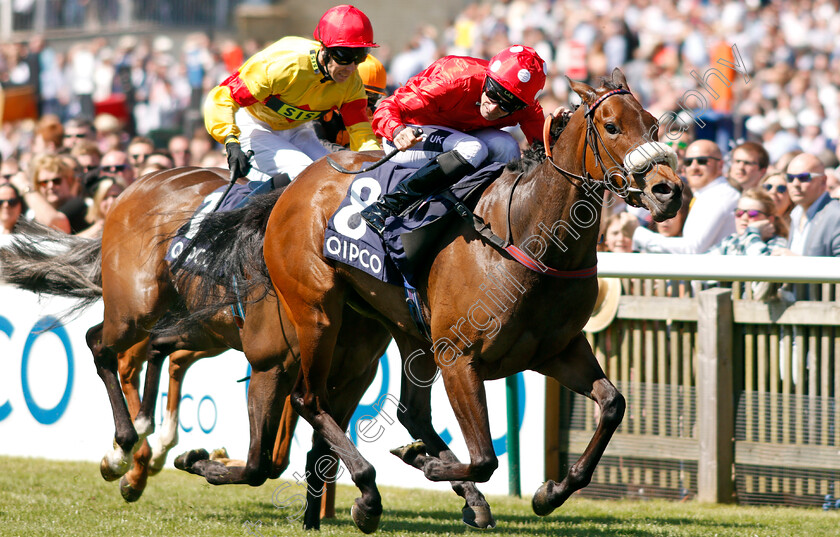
point(354, 115)
point(249, 86)
point(219, 109)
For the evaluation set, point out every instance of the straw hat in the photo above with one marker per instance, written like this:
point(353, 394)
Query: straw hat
point(606, 305)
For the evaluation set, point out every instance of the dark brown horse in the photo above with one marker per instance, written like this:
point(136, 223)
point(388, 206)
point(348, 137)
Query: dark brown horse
point(490, 316)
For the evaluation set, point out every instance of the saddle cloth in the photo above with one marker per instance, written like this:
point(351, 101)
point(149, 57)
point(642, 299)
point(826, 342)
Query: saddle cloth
point(349, 240)
point(195, 257)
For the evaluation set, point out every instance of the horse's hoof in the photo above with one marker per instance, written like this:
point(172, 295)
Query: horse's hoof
point(129, 493)
point(365, 522)
point(540, 502)
point(108, 473)
point(185, 461)
point(155, 466)
point(478, 517)
point(408, 453)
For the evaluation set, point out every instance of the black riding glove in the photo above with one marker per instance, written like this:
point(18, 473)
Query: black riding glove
point(238, 162)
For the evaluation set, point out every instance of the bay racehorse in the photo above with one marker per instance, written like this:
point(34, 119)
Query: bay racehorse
point(141, 298)
point(490, 316)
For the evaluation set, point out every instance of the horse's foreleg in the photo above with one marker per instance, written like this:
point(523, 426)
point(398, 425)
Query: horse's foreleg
point(465, 390)
point(578, 369)
point(266, 393)
point(131, 362)
point(114, 464)
point(416, 417)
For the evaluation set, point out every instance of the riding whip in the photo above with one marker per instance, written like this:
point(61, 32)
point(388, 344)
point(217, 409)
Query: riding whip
point(173, 268)
point(338, 167)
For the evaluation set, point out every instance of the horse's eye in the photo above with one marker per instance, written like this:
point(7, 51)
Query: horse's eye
point(611, 128)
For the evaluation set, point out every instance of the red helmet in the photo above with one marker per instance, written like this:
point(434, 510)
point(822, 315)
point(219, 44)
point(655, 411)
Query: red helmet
point(344, 26)
point(520, 70)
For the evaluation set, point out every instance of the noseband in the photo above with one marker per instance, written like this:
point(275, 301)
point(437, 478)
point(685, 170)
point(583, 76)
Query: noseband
point(593, 140)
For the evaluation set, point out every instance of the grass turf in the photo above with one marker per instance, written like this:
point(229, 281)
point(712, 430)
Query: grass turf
point(48, 498)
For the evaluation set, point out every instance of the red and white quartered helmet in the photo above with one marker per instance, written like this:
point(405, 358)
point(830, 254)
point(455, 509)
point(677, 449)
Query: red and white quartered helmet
point(520, 70)
point(344, 26)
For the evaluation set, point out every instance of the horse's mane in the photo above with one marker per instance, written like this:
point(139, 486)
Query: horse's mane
point(535, 154)
point(233, 269)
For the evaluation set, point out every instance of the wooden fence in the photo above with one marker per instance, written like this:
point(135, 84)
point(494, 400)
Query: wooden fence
point(729, 398)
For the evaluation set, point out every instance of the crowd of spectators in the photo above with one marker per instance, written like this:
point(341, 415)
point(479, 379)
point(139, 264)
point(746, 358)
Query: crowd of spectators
point(754, 87)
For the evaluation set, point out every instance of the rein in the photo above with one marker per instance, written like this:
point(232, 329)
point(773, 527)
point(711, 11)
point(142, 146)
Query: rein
point(593, 140)
point(339, 168)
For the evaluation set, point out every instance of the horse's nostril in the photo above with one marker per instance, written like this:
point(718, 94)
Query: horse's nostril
point(662, 190)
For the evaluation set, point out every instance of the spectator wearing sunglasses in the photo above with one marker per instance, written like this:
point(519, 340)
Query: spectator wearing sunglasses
point(77, 131)
point(268, 105)
point(87, 154)
point(758, 231)
point(115, 163)
point(11, 208)
point(54, 179)
point(815, 218)
point(775, 184)
point(747, 165)
point(139, 149)
point(461, 103)
point(710, 219)
point(37, 206)
point(8, 168)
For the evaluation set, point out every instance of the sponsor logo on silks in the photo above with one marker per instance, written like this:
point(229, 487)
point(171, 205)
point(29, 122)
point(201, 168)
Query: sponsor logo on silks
point(290, 112)
point(350, 253)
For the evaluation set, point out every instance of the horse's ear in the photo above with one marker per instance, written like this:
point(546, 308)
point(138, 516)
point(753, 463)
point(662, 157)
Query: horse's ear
point(619, 79)
point(586, 92)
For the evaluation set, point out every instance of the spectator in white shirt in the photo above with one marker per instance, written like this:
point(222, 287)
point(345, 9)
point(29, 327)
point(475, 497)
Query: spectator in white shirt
point(710, 219)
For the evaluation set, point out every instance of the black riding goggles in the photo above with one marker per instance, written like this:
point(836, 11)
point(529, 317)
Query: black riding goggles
point(507, 101)
point(348, 55)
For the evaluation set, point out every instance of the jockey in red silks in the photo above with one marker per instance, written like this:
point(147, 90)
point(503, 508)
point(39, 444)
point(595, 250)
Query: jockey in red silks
point(461, 103)
point(267, 106)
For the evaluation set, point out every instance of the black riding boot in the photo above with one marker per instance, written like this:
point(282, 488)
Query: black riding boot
point(444, 170)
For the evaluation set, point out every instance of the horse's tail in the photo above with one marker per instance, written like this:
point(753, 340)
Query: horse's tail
point(233, 270)
point(49, 262)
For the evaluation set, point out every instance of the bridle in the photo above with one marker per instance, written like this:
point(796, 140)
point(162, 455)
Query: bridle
point(593, 140)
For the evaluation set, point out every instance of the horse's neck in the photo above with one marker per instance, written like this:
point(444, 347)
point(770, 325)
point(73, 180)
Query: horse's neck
point(560, 209)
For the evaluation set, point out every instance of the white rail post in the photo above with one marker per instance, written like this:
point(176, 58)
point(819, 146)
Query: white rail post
point(715, 398)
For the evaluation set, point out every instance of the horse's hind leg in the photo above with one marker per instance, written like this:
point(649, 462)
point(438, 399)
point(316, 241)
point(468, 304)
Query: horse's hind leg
point(116, 463)
point(578, 369)
point(167, 438)
point(151, 457)
point(130, 367)
point(416, 417)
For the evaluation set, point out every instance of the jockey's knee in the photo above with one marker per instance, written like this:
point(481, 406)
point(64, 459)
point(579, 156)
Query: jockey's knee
point(472, 151)
point(503, 148)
